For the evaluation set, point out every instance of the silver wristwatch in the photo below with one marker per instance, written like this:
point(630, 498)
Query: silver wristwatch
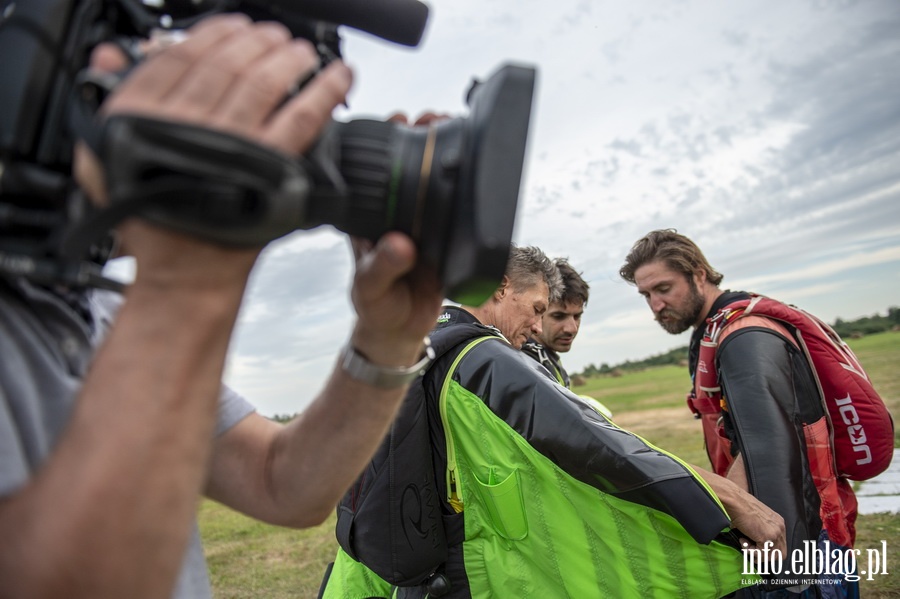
point(359, 368)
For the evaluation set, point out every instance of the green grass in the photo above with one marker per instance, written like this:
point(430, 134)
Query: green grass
point(660, 387)
point(880, 356)
point(248, 559)
point(871, 529)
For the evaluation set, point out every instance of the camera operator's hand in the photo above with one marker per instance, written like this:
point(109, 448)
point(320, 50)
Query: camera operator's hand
point(424, 119)
point(397, 306)
point(232, 75)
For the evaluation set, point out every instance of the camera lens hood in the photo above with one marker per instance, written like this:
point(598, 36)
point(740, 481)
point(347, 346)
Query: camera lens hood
point(490, 173)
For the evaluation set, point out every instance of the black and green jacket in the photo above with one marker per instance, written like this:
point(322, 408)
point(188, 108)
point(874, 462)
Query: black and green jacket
point(549, 359)
point(534, 494)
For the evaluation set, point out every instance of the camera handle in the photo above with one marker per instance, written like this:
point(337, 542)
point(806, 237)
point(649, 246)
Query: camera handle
point(205, 183)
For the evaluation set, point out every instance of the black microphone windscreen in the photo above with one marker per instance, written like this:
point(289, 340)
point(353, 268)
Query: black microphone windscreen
point(398, 21)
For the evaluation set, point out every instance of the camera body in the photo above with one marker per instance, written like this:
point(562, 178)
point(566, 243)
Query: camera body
point(52, 40)
point(452, 186)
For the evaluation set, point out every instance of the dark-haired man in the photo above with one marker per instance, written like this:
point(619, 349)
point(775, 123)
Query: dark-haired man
point(560, 323)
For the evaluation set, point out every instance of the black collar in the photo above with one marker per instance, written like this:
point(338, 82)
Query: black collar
point(451, 315)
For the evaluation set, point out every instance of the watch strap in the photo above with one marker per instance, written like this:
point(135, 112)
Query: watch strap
point(359, 368)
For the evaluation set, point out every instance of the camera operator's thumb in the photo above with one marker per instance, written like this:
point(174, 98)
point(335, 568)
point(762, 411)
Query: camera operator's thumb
point(396, 300)
point(379, 266)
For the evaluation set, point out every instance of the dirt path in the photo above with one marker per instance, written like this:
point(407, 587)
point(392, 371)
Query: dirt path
point(675, 419)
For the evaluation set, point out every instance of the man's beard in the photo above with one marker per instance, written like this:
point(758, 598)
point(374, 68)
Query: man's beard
point(678, 322)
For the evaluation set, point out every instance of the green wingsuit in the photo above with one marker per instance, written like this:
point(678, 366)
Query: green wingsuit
point(540, 495)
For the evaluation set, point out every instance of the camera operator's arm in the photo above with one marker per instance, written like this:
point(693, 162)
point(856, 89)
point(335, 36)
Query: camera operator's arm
point(109, 513)
point(294, 475)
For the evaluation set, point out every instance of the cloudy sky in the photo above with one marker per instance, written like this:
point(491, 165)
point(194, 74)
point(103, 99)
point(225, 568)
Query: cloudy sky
point(767, 131)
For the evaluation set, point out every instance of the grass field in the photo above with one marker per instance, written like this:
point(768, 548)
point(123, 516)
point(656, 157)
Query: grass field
point(252, 560)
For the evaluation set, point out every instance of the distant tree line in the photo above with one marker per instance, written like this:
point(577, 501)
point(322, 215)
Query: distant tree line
point(673, 356)
point(867, 325)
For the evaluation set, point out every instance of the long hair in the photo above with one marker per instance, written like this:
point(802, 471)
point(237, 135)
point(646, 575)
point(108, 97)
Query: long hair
point(677, 251)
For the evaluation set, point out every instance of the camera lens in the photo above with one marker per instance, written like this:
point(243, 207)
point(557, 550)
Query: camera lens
point(452, 186)
point(397, 178)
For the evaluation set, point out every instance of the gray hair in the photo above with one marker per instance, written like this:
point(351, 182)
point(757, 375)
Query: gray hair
point(527, 266)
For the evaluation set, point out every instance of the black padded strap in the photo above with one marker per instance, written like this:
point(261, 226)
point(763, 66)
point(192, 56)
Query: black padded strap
point(343, 530)
point(757, 380)
point(205, 183)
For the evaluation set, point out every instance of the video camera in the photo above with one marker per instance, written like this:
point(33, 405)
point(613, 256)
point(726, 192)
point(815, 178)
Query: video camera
point(453, 186)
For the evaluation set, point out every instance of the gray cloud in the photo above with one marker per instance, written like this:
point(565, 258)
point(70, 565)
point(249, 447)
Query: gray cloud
point(632, 146)
point(735, 37)
point(849, 146)
point(295, 303)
